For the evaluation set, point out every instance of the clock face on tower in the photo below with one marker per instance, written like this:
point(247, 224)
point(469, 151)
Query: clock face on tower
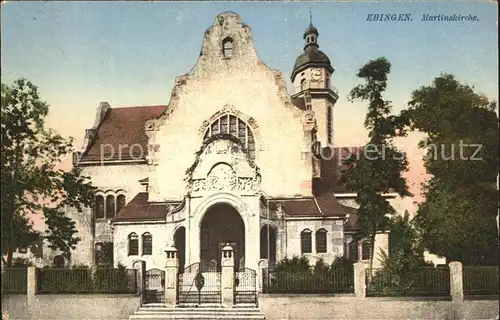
point(316, 75)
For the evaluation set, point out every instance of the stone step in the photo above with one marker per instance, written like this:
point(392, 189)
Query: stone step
point(201, 311)
point(200, 308)
point(159, 311)
point(196, 317)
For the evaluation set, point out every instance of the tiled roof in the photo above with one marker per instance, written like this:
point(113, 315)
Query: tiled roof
point(122, 130)
point(351, 224)
point(323, 206)
point(140, 209)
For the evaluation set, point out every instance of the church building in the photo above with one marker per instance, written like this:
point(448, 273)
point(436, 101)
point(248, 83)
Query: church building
point(233, 158)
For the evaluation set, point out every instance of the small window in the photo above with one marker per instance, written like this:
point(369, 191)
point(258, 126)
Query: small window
point(303, 84)
point(227, 48)
point(58, 261)
point(99, 207)
point(365, 250)
point(147, 244)
point(98, 252)
point(120, 202)
point(353, 251)
point(133, 244)
point(23, 250)
point(110, 206)
point(306, 241)
point(321, 243)
point(329, 124)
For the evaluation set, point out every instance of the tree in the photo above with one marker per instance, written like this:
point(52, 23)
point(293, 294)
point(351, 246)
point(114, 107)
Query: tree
point(401, 268)
point(31, 181)
point(378, 170)
point(457, 218)
point(405, 244)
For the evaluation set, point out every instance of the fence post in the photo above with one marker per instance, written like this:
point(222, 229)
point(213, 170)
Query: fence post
point(456, 281)
point(171, 270)
point(227, 276)
point(32, 284)
point(456, 289)
point(140, 267)
point(260, 275)
point(360, 279)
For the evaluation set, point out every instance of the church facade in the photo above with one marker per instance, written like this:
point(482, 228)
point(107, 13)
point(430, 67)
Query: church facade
point(233, 158)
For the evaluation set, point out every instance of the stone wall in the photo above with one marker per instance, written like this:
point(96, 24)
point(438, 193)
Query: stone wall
point(334, 238)
point(275, 307)
point(64, 307)
point(324, 307)
point(162, 236)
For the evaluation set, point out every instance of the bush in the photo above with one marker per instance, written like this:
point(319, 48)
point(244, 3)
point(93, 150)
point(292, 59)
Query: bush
point(21, 263)
point(297, 276)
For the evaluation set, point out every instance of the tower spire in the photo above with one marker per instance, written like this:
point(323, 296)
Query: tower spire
point(310, 18)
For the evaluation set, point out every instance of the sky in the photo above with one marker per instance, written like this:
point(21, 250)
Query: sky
point(129, 53)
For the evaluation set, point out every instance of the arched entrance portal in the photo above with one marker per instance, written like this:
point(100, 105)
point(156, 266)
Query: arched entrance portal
point(180, 245)
point(221, 225)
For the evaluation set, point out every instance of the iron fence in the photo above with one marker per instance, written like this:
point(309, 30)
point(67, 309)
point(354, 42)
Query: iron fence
point(335, 280)
point(424, 281)
point(14, 280)
point(195, 286)
point(245, 286)
point(85, 280)
point(479, 280)
point(155, 286)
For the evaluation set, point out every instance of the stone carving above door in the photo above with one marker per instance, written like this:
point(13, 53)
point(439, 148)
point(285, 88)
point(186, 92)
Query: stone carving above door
point(223, 166)
point(223, 178)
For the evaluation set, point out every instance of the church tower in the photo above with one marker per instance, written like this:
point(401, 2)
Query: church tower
point(311, 78)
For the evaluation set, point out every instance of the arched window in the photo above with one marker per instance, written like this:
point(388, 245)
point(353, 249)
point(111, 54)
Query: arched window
point(120, 202)
point(58, 261)
point(230, 124)
point(303, 84)
point(365, 250)
point(99, 207)
point(133, 244)
point(306, 241)
point(110, 206)
point(227, 48)
point(147, 244)
point(98, 252)
point(321, 243)
point(353, 254)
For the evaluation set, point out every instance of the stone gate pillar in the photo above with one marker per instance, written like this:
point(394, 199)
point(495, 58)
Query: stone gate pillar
point(140, 267)
point(360, 279)
point(171, 270)
point(262, 268)
point(227, 276)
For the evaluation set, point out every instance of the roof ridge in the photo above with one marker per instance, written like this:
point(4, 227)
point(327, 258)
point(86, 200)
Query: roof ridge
point(139, 106)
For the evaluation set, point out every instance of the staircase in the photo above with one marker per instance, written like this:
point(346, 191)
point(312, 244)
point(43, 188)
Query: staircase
point(159, 311)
